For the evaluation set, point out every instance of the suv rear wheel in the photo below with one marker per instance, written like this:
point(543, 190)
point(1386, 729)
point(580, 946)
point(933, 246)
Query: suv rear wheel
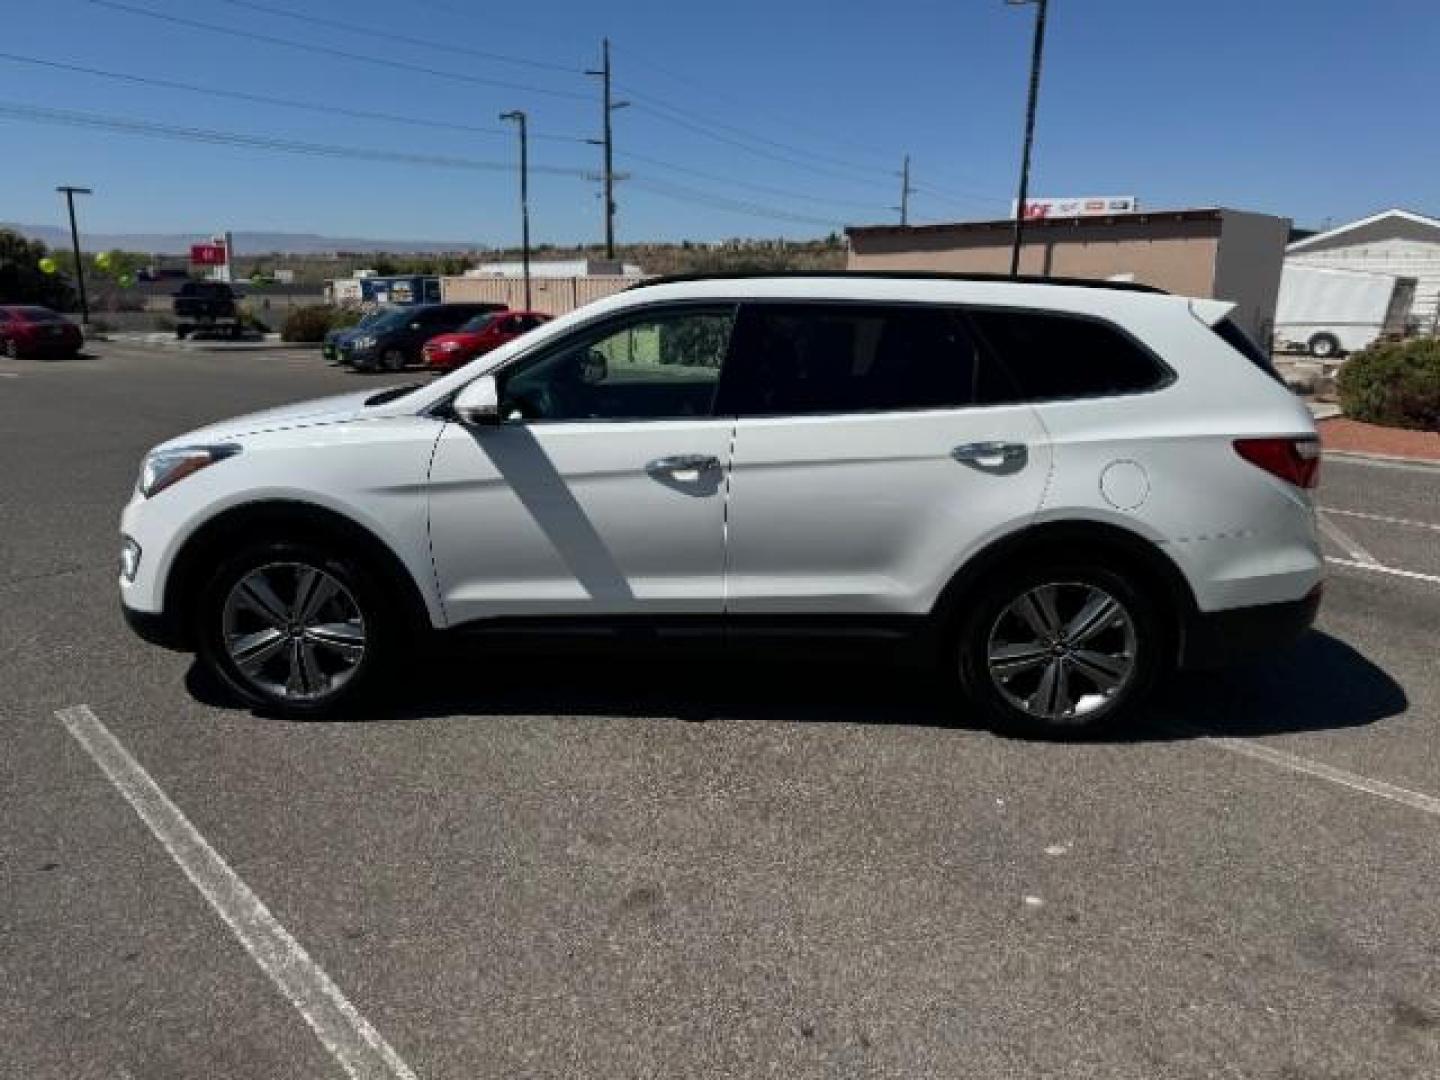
point(1062, 651)
point(293, 630)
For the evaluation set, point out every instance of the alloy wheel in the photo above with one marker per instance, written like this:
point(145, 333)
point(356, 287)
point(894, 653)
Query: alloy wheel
point(293, 631)
point(1062, 652)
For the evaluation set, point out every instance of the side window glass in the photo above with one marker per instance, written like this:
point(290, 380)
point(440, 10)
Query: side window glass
point(661, 366)
point(1053, 356)
point(794, 359)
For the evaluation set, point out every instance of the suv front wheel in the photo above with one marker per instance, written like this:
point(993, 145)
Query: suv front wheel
point(1061, 651)
point(293, 630)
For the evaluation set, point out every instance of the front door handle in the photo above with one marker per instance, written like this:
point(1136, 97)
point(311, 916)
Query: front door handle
point(989, 454)
point(696, 463)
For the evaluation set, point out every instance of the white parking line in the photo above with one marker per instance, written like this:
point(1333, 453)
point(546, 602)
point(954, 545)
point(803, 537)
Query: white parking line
point(1415, 800)
point(1348, 543)
point(358, 1047)
point(1374, 567)
point(1381, 517)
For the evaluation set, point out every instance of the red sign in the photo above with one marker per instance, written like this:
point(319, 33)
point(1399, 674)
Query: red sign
point(207, 254)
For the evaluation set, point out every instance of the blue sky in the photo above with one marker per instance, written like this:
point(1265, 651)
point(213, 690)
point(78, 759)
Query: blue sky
point(1313, 110)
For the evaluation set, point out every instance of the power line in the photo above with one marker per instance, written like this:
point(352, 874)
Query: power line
point(733, 99)
point(784, 193)
point(680, 193)
point(739, 137)
point(212, 136)
point(266, 99)
point(306, 46)
point(389, 36)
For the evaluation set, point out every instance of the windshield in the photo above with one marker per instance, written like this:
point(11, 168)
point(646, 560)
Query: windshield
point(371, 318)
point(38, 314)
point(390, 320)
point(478, 323)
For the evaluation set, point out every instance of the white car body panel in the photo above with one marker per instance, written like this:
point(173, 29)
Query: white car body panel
point(565, 519)
point(869, 513)
point(845, 514)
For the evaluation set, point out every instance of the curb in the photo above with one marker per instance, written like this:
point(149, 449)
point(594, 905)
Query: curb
point(1386, 459)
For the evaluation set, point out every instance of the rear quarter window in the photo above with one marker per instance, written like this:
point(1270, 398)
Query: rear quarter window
point(1052, 356)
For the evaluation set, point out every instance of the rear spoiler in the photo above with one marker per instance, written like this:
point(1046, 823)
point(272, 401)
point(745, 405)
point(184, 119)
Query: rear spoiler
point(1210, 312)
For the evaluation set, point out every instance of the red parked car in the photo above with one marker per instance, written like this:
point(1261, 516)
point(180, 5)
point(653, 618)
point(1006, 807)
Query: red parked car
point(37, 331)
point(479, 336)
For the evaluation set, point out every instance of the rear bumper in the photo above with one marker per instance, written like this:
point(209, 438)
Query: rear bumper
point(1217, 638)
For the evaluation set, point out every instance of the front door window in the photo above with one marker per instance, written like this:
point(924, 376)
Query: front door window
point(659, 366)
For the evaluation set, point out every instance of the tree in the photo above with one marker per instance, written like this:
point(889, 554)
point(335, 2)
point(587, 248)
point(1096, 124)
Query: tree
point(22, 281)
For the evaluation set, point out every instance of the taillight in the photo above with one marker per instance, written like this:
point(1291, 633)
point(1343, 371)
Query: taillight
point(1294, 460)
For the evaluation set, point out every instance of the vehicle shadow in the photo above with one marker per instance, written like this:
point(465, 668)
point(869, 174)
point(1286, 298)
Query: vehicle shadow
point(1319, 684)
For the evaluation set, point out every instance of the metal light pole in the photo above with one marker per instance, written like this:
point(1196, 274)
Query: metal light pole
point(1036, 57)
point(519, 117)
point(70, 193)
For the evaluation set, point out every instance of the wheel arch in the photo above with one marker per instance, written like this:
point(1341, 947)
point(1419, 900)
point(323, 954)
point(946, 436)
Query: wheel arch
point(291, 520)
point(1113, 545)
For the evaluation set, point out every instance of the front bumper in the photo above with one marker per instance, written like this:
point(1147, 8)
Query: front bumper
point(1219, 638)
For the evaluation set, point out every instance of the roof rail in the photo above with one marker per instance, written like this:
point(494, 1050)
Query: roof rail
point(902, 275)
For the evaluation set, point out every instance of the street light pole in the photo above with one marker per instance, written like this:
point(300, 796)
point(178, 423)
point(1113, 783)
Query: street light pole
point(519, 117)
point(1036, 57)
point(70, 193)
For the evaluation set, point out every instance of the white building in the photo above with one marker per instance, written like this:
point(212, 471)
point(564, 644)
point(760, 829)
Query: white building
point(557, 268)
point(1398, 242)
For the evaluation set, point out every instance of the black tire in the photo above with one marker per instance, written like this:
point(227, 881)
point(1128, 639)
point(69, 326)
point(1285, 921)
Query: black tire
point(12, 348)
point(1324, 346)
point(181, 332)
point(988, 621)
point(382, 638)
point(392, 360)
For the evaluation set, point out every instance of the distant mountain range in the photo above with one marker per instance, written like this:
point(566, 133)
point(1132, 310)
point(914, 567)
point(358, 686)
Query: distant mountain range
point(246, 243)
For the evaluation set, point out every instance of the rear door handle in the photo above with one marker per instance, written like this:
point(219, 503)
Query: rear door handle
point(991, 454)
point(695, 463)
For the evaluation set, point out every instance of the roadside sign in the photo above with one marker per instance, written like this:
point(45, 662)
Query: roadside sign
point(207, 254)
point(1083, 206)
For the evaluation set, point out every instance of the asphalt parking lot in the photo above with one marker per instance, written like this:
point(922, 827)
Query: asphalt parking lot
point(556, 867)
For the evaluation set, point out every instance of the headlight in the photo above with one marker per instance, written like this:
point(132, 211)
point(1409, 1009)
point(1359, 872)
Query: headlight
point(365, 341)
point(165, 467)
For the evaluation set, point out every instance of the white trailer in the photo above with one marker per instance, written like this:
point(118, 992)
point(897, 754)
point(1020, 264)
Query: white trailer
point(1328, 312)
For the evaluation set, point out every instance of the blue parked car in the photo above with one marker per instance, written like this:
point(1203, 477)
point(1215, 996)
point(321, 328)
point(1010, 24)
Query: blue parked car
point(335, 338)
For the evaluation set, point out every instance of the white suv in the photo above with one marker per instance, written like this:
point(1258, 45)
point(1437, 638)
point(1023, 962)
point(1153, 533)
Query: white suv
point(1056, 490)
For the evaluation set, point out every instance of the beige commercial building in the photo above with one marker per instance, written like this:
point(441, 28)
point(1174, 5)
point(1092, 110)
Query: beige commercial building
point(552, 295)
point(1225, 254)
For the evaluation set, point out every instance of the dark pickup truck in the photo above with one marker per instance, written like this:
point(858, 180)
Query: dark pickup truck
point(207, 305)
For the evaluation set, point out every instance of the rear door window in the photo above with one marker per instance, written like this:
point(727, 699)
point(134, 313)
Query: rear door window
point(799, 359)
point(1052, 356)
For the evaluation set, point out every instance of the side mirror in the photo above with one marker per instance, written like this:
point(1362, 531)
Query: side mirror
point(479, 403)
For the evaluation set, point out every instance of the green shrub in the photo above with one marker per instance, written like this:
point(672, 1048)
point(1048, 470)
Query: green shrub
point(250, 320)
point(345, 315)
point(1395, 384)
point(307, 323)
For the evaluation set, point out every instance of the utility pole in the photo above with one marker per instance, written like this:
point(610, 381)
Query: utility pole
point(1036, 56)
point(905, 192)
point(70, 193)
point(519, 117)
point(608, 106)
